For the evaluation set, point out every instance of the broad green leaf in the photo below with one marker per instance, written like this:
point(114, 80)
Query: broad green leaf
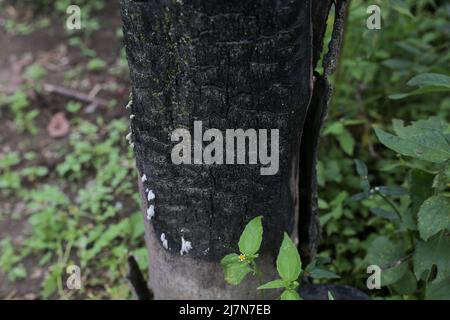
point(230, 259)
point(335, 128)
point(430, 145)
point(435, 251)
point(251, 237)
point(427, 83)
point(289, 264)
point(383, 253)
point(430, 79)
point(361, 168)
point(401, 7)
point(407, 285)
point(392, 190)
point(290, 295)
point(279, 283)
point(318, 273)
point(438, 290)
point(234, 270)
point(420, 187)
point(434, 216)
point(397, 64)
point(398, 96)
point(380, 212)
point(346, 142)
point(357, 197)
point(417, 127)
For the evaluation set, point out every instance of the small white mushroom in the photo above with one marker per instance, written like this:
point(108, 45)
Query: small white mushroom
point(150, 195)
point(150, 212)
point(185, 246)
point(128, 106)
point(132, 145)
point(144, 178)
point(164, 241)
point(128, 136)
point(132, 116)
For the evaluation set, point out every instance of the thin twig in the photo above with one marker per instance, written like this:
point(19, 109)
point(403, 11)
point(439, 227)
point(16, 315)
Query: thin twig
point(51, 88)
point(397, 262)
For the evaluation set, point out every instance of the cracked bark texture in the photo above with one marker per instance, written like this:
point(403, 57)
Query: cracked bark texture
point(230, 64)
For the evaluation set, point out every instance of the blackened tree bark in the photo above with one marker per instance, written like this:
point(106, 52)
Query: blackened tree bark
point(230, 64)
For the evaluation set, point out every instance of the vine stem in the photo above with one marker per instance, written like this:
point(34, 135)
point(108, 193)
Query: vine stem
point(394, 207)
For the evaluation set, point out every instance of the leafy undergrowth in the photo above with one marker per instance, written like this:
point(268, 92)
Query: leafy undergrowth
point(376, 67)
point(68, 190)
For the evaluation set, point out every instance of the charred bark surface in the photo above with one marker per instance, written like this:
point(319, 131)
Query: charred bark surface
point(230, 64)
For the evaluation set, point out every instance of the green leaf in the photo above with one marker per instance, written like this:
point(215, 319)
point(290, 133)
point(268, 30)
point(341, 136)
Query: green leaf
point(361, 168)
point(383, 252)
point(428, 145)
point(330, 295)
point(230, 259)
point(435, 251)
point(430, 79)
point(420, 187)
point(407, 285)
point(279, 283)
point(357, 197)
point(427, 83)
point(380, 212)
point(401, 7)
point(289, 264)
point(290, 295)
point(234, 270)
point(318, 273)
point(398, 96)
point(438, 290)
point(392, 190)
point(434, 216)
point(251, 237)
point(346, 142)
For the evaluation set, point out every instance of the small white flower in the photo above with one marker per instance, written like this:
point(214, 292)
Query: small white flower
point(150, 212)
point(185, 246)
point(150, 195)
point(144, 178)
point(164, 241)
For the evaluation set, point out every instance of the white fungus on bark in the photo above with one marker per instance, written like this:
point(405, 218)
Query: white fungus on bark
point(150, 212)
point(143, 178)
point(128, 136)
point(164, 241)
point(132, 116)
point(128, 106)
point(185, 246)
point(150, 195)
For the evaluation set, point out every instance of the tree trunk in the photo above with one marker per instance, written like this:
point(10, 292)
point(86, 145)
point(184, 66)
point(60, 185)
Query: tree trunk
point(230, 64)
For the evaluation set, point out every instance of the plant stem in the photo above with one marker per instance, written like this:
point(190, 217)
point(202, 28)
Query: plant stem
point(394, 207)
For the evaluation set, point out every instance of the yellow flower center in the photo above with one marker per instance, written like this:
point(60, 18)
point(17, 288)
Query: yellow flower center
point(242, 257)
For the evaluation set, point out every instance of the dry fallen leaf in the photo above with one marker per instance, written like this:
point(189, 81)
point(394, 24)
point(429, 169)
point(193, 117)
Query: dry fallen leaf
point(59, 126)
